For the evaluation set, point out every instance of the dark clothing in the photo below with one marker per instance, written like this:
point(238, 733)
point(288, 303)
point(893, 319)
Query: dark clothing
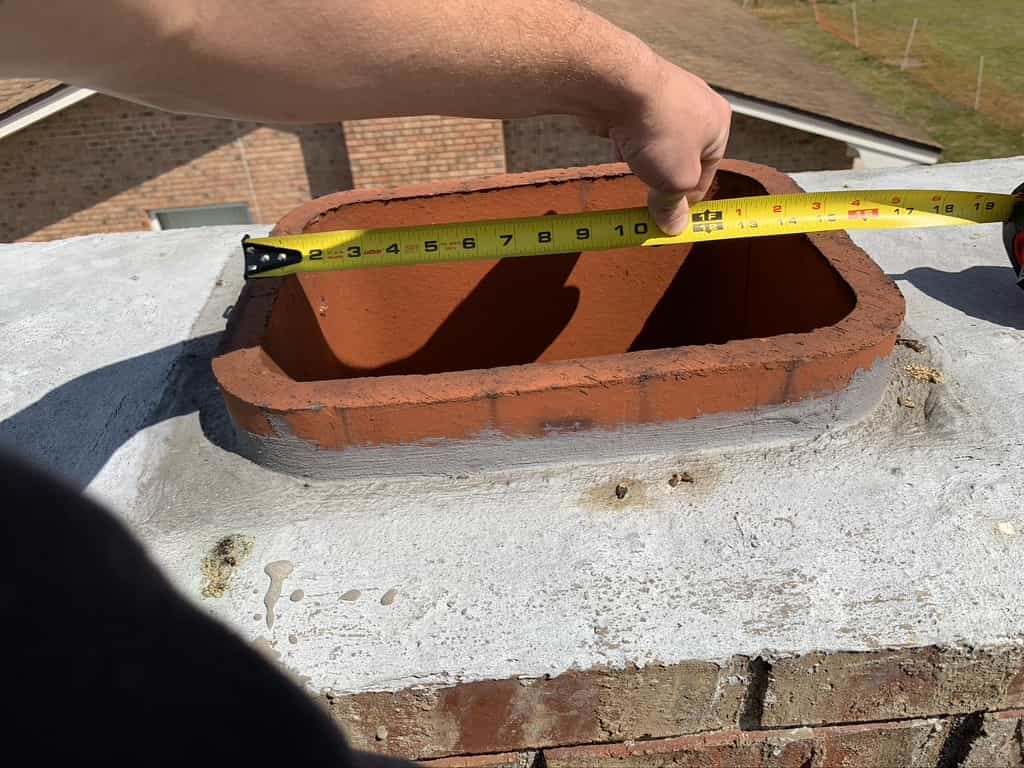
point(104, 662)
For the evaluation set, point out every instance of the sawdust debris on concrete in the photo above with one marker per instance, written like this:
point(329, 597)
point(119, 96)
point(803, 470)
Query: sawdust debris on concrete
point(924, 373)
point(1006, 528)
point(222, 561)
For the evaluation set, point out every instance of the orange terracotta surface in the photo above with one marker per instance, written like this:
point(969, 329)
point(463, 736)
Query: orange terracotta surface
point(526, 347)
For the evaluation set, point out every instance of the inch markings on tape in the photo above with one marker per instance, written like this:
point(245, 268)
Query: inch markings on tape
point(606, 230)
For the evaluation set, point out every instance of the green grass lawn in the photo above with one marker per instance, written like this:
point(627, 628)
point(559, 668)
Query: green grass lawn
point(937, 91)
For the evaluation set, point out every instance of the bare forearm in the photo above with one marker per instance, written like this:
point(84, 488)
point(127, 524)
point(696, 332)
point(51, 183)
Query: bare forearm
point(308, 61)
point(330, 60)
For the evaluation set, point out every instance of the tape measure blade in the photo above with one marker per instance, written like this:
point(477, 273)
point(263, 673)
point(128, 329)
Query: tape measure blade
point(754, 216)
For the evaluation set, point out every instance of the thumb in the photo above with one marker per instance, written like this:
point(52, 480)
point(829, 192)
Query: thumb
point(671, 212)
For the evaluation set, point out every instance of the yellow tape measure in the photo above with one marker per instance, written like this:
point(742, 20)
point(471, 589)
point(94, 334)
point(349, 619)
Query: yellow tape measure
point(604, 230)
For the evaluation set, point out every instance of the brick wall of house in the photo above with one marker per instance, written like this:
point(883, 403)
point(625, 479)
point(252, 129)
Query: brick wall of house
point(557, 141)
point(536, 143)
point(104, 164)
point(389, 152)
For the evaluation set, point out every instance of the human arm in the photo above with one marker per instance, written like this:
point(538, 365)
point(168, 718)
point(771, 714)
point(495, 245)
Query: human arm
point(302, 61)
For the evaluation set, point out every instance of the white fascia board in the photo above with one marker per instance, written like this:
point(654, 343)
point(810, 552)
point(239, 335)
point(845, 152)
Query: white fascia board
point(856, 137)
point(39, 110)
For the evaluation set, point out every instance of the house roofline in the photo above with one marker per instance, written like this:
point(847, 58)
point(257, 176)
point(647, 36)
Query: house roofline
point(41, 108)
point(875, 141)
point(916, 152)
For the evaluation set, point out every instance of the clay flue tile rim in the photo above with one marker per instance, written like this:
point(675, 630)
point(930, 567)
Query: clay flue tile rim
point(649, 385)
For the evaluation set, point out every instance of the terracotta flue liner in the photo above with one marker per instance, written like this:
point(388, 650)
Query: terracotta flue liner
point(526, 347)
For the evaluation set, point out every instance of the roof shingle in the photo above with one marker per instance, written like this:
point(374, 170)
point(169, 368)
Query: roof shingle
point(15, 93)
point(732, 50)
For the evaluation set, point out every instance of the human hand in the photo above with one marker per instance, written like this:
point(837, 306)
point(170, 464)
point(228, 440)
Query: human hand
point(673, 140)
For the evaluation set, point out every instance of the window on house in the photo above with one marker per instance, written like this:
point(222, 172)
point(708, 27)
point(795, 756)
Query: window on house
point(202, 216)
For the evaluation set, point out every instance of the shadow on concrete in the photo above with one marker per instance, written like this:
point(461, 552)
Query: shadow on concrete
point(76, 427)
point(986, 292)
